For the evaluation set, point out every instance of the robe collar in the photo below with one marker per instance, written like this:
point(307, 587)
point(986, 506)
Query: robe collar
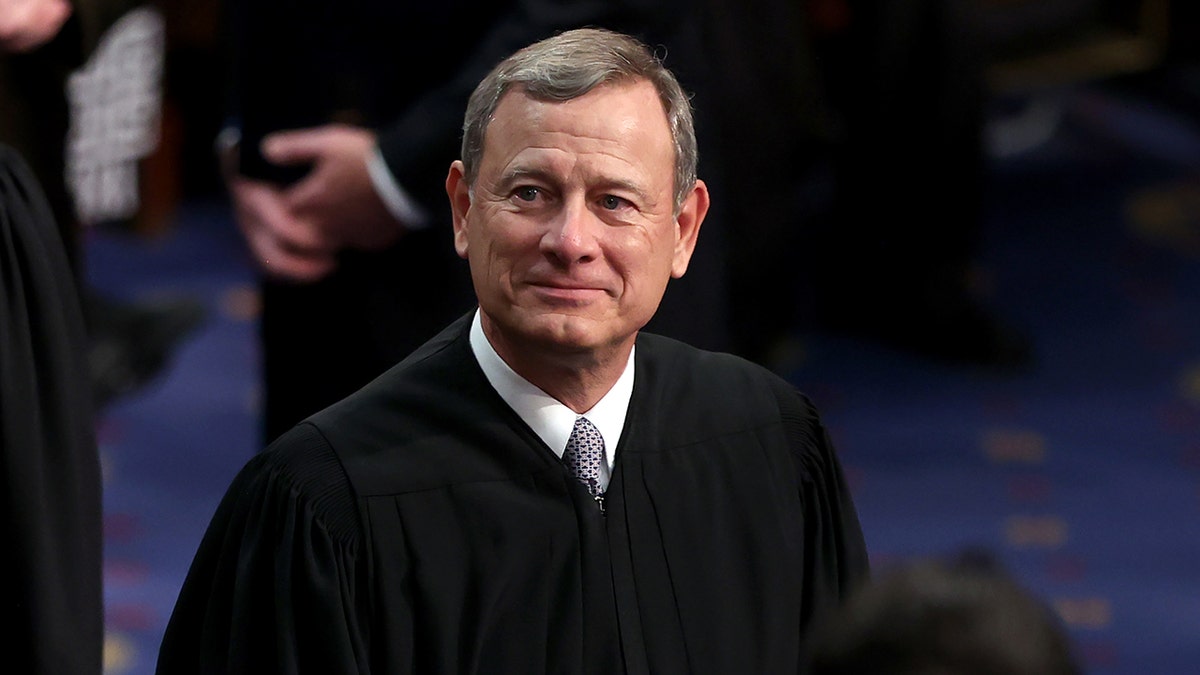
point(551, 420)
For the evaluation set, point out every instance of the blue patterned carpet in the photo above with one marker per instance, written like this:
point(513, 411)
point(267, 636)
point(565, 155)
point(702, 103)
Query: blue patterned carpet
point(1081, 474)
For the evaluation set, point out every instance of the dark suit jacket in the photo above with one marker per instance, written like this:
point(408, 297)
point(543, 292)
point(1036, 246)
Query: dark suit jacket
point(420, 526)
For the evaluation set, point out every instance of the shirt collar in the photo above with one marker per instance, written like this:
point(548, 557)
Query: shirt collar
point(550, 420)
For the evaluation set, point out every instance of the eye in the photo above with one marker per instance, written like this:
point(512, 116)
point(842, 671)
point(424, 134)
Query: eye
point(527, 193)
point(612, 202)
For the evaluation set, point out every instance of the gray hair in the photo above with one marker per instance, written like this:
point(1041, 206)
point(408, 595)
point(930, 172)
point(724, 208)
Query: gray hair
point(570, 65)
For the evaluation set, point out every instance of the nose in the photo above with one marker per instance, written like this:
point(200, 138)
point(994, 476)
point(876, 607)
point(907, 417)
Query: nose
point(572, 234)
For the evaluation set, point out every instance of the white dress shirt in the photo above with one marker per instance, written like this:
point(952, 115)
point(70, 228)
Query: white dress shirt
point(550, 420)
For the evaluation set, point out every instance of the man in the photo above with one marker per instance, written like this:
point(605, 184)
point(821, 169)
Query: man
point(349, 117)
point(540, 488)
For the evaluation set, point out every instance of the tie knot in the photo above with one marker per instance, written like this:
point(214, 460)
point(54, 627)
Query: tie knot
point(584, 456)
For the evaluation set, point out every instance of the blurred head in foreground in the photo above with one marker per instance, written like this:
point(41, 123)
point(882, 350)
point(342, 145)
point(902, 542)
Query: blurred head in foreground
point(959, 617)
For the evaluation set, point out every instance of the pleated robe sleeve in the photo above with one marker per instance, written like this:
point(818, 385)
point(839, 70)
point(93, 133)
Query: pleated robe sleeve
point(733, 528)
point(835, 553)
point(275, 586)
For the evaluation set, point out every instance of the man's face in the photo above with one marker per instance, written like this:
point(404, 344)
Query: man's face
point(570, 231)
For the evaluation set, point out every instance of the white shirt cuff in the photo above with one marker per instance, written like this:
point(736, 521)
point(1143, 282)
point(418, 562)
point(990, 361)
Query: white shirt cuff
point(398, 202)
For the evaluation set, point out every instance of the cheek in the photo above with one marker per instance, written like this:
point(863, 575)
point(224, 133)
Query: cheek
point(645, 269)
point(496, 252)
point(651, 253)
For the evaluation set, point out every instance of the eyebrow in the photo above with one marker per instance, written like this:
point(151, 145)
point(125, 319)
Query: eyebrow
point(519, 173)
point(629, 186)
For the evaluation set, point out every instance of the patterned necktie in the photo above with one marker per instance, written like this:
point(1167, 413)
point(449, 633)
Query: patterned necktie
point(583, 456)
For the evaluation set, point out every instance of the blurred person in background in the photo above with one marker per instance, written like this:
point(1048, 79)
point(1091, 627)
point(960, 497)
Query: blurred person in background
point(50, 507)
point(851, 136)
point(80, 104)
point(50, 487)
point(898, 258)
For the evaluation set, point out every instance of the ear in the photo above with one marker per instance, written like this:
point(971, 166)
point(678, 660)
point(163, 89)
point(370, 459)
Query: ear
point(687, 227)
point(460, 204)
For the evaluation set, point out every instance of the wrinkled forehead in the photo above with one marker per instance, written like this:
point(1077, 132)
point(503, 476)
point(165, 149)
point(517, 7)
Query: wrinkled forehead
point(626, 121)
point(545, 93)
point(611, 110)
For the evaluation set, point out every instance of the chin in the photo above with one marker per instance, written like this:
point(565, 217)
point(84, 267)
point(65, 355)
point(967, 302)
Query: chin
point(571, 333)
point(564, 332)
point(574, 334)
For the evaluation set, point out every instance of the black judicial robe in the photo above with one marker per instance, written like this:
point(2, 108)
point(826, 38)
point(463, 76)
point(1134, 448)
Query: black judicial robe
point(419, 526)
point(51, 585)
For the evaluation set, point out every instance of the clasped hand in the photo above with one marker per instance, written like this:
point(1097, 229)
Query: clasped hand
point(295, 232)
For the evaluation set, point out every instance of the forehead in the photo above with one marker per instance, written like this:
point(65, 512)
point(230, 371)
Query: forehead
point(621, 121)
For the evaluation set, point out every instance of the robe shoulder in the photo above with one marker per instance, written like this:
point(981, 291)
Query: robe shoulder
point(434, 420)
point(700, 394)
point(274, 583)
point(430, 422)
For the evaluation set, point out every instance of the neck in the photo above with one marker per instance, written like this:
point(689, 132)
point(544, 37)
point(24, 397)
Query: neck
point(580, 389)
point(577, 379)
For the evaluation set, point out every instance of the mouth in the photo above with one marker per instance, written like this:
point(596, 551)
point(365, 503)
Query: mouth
point(567, 292)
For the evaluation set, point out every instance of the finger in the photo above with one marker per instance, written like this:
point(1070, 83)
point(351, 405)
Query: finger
point(278, 261)
point(308, 196)
point(298, 234)
point(25, 26)
point(298, 146)
point(262, 208)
